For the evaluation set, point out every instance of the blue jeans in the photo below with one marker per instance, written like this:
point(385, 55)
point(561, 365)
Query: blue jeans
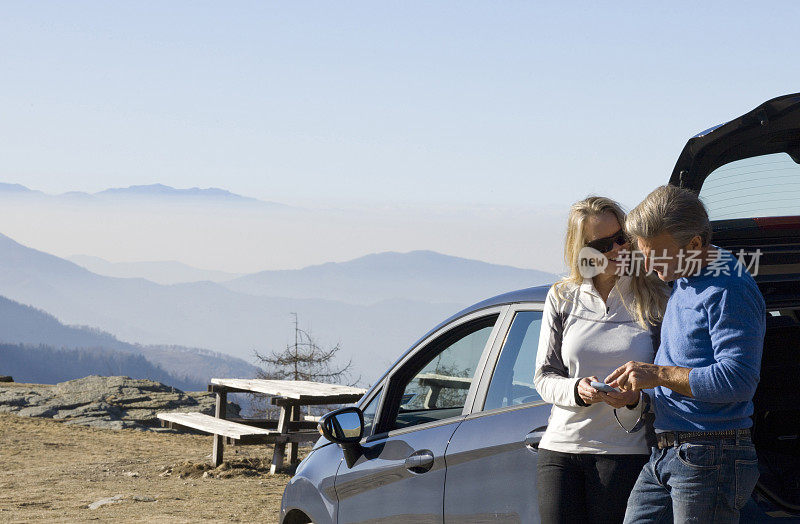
point(705, 481)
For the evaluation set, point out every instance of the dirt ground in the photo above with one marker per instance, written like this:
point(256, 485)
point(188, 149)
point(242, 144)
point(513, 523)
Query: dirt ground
point(53, 472)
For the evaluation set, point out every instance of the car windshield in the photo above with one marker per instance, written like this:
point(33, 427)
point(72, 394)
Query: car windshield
point(762, 186)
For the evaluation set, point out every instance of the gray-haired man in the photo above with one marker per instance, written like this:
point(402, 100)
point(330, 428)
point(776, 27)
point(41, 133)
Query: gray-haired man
point(705, 372)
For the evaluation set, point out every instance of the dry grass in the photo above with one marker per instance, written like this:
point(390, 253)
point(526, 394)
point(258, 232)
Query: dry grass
point(50, 471)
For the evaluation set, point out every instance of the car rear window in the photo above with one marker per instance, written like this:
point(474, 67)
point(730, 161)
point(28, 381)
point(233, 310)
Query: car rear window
point(762, 186)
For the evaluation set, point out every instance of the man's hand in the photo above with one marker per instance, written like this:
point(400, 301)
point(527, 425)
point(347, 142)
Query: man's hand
point(587, 393)
point(634, 376)
point(619, 400)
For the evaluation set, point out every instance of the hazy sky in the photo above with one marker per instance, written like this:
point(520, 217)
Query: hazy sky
point(520, 106)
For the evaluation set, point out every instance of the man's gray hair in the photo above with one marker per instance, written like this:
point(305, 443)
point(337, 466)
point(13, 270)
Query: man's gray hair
point(673, 210)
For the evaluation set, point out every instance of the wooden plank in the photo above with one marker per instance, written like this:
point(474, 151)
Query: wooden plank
point(301, 425)
point(280, 447)
point(315, 401)
point(256, 422)
point(432, 397)
point(220, 410)
point(246, 440)
point(213, 388)
point(305, 436)
point(444, 381)
point(214, 425)
point(309, 424)
point(294, 418)
point(297, 389)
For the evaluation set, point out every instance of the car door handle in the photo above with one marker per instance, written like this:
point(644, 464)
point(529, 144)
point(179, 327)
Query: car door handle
point(533, 438)
point(420, 461)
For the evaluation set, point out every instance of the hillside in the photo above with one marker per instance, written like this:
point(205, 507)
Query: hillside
point(101, 353)
point(47, 365)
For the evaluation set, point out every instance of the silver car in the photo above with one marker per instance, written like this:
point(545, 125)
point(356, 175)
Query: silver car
point(450, 432)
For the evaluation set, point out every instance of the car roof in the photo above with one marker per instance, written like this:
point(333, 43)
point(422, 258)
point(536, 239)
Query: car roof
point(531, 294)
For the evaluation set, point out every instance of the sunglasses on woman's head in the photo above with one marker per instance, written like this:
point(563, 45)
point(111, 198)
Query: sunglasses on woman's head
point(606, 244)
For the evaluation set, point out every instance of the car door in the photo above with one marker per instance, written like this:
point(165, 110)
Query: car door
point(401, 472)
point(491, 459)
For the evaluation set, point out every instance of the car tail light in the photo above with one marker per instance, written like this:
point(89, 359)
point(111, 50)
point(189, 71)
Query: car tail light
point(768, 223)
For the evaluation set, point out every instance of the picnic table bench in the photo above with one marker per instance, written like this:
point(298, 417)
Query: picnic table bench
point(289, 430)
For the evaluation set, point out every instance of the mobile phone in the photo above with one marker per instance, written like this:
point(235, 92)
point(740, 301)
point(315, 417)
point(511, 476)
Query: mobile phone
point(602, 386)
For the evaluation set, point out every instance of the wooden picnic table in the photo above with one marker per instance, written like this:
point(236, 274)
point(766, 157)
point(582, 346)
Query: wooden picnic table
point(437, 382)
point(290, 430)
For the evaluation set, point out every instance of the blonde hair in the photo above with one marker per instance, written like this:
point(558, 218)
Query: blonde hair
point(649, 293)
point(673, 210)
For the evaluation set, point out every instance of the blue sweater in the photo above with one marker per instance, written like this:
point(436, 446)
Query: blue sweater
point(714, 324)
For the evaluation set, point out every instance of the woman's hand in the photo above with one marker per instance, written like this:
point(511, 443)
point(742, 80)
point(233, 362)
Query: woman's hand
point(587, 393)
point(618, 400)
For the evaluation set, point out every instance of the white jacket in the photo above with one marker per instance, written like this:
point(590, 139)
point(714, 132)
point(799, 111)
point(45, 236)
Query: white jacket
point(582, 336)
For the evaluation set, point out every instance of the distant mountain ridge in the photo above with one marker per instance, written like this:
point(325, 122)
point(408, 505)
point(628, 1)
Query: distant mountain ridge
point(161, 189)
point(16, 188)
point(417, 275)
point(164, 191)
point(145, 192)
point(162, 272)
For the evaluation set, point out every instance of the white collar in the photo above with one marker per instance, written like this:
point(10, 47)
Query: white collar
point(622, 282)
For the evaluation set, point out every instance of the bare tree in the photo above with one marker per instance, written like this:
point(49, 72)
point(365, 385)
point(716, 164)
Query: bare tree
point(306, 359)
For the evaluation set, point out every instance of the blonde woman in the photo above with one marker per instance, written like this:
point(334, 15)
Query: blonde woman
point(592, 324)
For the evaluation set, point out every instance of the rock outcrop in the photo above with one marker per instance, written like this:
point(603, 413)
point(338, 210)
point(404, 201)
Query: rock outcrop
point(106, 402)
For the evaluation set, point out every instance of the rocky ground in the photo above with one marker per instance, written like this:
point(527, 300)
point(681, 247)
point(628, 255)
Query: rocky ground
point(89, 450)
point(104, 402)
point(53, 472)
point(93, 449)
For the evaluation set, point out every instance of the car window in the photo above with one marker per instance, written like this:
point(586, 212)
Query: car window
point(369, 413)
point(439, 382)
point(512, 380)
point(761, 186)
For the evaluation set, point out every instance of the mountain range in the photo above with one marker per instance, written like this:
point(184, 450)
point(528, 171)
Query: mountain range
point(417, 275)
point(409, 293)
point(148, 192)
point(424, 276)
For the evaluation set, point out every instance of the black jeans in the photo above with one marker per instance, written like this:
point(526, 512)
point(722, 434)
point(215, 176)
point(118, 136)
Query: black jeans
point(585, 487)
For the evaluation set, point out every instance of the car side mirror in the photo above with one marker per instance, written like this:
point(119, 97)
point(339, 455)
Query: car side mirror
point(345, 427)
